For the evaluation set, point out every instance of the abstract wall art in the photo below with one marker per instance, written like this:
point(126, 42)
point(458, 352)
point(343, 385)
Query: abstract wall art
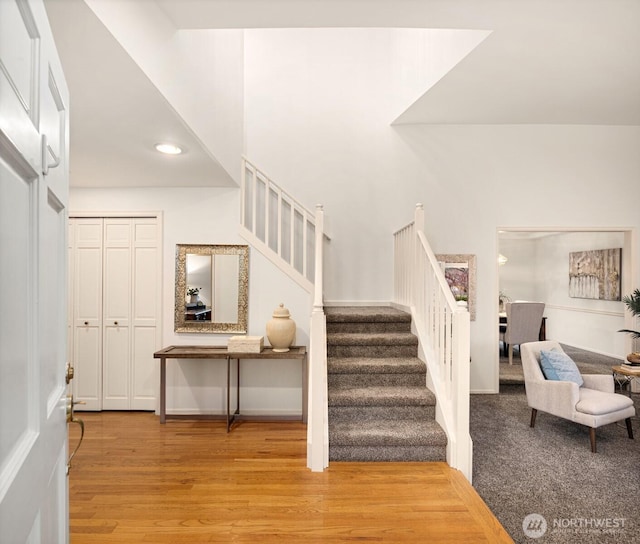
point(595, 274)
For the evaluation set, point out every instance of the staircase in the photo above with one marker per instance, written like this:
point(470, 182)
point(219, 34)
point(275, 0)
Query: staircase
point(379, 406)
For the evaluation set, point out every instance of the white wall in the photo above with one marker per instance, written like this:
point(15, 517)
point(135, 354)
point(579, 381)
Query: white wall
point(517, 276)
point(317, 112)
point(211, 216)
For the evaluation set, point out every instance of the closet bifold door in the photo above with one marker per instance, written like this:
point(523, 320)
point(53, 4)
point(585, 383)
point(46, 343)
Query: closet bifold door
point(117, 294)
point(85, 239)
point(145, 309)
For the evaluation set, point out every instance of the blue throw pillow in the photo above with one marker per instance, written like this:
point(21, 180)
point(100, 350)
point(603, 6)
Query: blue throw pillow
point(557, 365)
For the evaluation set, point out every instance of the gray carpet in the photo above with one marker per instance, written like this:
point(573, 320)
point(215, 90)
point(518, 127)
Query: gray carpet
point(549, 470)
point(587, 361)
point(379, 406)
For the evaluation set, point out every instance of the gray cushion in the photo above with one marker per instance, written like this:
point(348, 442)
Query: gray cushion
point(597, 403)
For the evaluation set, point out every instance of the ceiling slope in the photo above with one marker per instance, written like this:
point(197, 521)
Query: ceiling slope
point(117, 114)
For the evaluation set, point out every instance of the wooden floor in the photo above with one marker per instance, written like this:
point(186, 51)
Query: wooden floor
point(134, 480)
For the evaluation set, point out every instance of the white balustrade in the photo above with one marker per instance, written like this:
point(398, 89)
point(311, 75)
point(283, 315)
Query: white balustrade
point(443, 329)
point(292, 238)
point(278, 225)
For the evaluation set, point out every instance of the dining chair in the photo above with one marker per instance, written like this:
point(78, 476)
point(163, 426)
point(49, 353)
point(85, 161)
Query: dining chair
point(523, 324)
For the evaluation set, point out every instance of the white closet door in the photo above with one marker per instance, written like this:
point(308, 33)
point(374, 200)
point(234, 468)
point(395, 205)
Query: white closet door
point(116, 361)
point(145, 311)
point(87, 302)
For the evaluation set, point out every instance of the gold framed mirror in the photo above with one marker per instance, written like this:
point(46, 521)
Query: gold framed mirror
point(212, 288)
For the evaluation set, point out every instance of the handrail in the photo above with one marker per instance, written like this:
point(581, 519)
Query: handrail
point(443, 329)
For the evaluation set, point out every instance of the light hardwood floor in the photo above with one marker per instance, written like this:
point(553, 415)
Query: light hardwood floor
point(136, 481)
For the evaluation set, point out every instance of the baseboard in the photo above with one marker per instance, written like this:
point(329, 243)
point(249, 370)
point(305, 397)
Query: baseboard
point(483, 392)
point(357, 303)
point(592, 350)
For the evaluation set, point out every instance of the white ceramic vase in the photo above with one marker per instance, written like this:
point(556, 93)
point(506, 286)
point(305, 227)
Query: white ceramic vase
point(281, 330)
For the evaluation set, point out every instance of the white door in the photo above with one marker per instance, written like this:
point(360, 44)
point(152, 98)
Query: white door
point(33, 209)
point(116, 361)
point(145, 311)
point(86, 301)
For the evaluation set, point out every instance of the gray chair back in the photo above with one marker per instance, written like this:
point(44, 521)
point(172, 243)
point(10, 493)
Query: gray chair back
point(523, 322)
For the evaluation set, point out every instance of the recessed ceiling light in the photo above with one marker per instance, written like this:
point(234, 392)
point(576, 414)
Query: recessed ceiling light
point(168, 149)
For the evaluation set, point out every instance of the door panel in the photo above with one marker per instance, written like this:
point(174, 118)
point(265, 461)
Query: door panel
point(87, 300)
point(145, 311)
point(19, 79)
point(116, 368)
point(33, 483)
point(144, 369)
point(17, 327)
point(116, 360)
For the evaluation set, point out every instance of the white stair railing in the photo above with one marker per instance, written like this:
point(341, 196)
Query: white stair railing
point(443, 329)
point(292, 238)
point(278, 225)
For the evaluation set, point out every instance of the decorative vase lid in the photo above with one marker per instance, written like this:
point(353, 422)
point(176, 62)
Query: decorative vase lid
point(281, 311)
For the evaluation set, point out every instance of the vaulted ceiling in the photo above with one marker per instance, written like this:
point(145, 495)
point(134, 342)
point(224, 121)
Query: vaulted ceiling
point(545, 62)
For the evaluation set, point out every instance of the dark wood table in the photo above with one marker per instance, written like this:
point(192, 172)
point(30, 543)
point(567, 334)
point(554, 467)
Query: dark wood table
point(222, 353)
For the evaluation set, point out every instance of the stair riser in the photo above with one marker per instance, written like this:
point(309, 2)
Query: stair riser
point(370, 328)
point(393, 413)
point(387, 453)
point(372, 351)
point(363, 380)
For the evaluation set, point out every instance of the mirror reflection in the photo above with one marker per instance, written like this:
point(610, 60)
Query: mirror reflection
point(211, 288)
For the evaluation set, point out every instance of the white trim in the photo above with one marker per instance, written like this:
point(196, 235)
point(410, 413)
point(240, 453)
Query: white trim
point(585, 310)
point(357, 303)
point(114, 215)
point(594, 351)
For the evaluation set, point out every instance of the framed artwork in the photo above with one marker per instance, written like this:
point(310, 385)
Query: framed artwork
point(460, 273)
point(595, 274)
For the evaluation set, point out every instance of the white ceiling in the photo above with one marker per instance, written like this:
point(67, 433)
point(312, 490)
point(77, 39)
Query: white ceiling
point(117, 114)
point(546, 62)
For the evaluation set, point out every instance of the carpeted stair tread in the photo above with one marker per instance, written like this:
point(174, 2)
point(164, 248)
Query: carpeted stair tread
point(355, 314)
point(362, 413)
point(386, 433)
point(388, 454)
point(381, 396)
point(372, 339)
point(372, 365)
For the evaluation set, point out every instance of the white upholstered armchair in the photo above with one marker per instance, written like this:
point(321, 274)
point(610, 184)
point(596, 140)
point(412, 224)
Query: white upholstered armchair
point(593, 404)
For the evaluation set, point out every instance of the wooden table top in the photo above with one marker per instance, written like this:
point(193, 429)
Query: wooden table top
point(221, 352)
point(625, 371)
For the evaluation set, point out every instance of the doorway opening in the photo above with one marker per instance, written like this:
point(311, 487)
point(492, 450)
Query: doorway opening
point(533, 265)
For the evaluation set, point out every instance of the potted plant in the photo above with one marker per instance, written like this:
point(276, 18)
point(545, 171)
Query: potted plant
point(192, 292)
point(632, 302)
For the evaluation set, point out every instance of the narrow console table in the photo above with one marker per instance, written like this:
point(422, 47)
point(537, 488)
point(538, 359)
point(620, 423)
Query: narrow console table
point(221, 352)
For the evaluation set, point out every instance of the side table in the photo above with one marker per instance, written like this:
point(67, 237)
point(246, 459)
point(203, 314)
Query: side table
point(623, 376)
point(222, 353)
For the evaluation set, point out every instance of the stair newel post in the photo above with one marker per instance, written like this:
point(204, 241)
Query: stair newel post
point(463, 448)
point(317, 428)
